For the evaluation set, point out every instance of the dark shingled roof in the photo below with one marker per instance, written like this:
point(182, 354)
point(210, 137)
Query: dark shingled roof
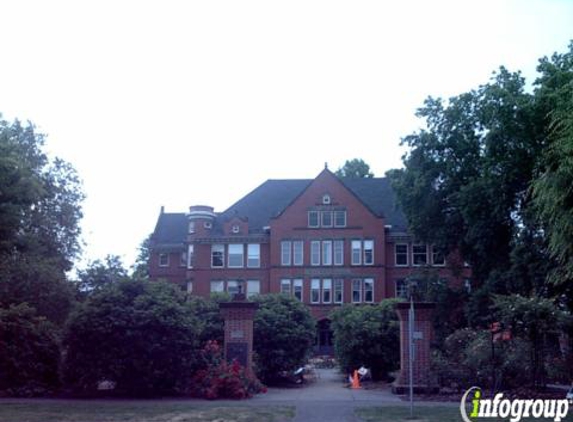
point(273, 196)
point(171, 228)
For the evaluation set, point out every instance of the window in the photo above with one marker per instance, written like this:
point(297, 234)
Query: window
point(286, 252)
point(368, 290)
point(368, 252)
point(285, 286)
point(232, 287)
point(191, 227)
point(236, 252)
point(339, 252)
point(401, 288)
point(326, 218)
point(327, 252)
point(356, 291)
point(253, 288)
point(315, 290)
point(326, 199)
point(253, 255)
point(235, 229)
point(297, 288)
point(468, 285)
point(191, 256)
point(401, 254)
point(326, 290)
point(438, 258)
point(189, 287)
point(217, 256)
point(338, 290)
point(313, 219)
point(419, 255)
point(297, 252)
point(339, 218)
point(356, 252)
point(217, 286)
point(183, 259)
point(315, 252)
point(163, 260)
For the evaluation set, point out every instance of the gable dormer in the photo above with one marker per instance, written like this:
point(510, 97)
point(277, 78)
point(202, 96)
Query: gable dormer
point(236, 226)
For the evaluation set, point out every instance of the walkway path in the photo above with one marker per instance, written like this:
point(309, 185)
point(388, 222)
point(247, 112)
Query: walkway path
point(327, 399)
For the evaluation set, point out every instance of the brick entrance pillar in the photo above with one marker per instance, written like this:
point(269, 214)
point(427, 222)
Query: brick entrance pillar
point(238, 315)
point(423, 334)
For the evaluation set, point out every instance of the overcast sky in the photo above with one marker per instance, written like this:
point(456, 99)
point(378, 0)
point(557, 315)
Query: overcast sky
point(177, 103)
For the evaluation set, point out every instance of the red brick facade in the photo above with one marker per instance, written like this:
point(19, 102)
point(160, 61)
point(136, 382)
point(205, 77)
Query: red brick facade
point(326, 241)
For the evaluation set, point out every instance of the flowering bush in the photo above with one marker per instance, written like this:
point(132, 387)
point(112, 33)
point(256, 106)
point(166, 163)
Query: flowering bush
point(219, 379)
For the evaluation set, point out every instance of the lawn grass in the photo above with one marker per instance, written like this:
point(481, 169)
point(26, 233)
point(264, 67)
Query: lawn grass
point(428, 414)
point(138, 411)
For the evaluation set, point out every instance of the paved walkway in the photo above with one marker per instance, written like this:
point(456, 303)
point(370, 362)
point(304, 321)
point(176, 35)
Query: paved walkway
point(327, 399)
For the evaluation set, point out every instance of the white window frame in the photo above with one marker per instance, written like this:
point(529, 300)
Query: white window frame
point(401, 253)
point(315, 288)
point(189, 286)
point(435, 252)
point(163, 263)
point(338, 252)
point(327, 252)
point(322, 214)
point(338, 286)
point(403, 289)
point(352, 249)
point(317, 213)
point(414, 246)
point(286, 282)
point(315, 252)
point(235, 254)
point(191, 227)
point(190, 256)
point(370, 281)
point(364, 252)
point(298, 252)
point(221, 250)
point(233, 285)
point(220, 289)
point(286, 253)
point(298, 286)
point(356, 281)
point(339, 212)
point(253, 255)
point(251, 289)
point(326, 289)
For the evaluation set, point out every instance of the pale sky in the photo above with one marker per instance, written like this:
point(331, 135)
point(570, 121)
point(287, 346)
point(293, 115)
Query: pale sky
point(178, 103)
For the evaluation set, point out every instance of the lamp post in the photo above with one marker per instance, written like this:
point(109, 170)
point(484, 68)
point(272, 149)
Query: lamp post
point(412, 284)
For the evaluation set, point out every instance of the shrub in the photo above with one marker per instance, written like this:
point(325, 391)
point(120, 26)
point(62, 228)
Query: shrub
point(367, 336)
point(137, 334)
point(207, 311)
point(284, 332)
point(29, 352)
point(218, 379)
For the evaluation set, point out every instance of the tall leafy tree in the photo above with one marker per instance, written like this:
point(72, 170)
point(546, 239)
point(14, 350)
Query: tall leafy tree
point(355, 168)
point(99, 274)
point(40, 211)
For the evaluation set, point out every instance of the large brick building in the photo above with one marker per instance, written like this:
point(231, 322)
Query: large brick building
point(326, 241)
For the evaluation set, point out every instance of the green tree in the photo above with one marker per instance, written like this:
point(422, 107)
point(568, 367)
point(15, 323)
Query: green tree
point(284, 332)
point(141, 266)
point(553, 189)
point(207, 311)
point(29, 352)
point(99, 274)
point(39, 223)
point(355, 168)
point(367, 336)
point(138, 334)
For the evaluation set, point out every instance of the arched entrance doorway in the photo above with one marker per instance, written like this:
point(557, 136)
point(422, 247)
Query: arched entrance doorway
point(324, 344)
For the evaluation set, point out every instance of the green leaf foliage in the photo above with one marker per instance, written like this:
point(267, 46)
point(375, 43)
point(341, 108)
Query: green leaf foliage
point(284, 332)
point(29, 352)
point(354, 169)
point(367, 336)
point(138, 334)
point(39, 223)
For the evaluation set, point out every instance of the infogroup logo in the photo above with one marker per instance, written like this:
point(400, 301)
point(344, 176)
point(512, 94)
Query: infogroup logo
point(513, 409)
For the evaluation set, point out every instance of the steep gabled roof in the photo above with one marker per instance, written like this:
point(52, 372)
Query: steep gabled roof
point(273, 196)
